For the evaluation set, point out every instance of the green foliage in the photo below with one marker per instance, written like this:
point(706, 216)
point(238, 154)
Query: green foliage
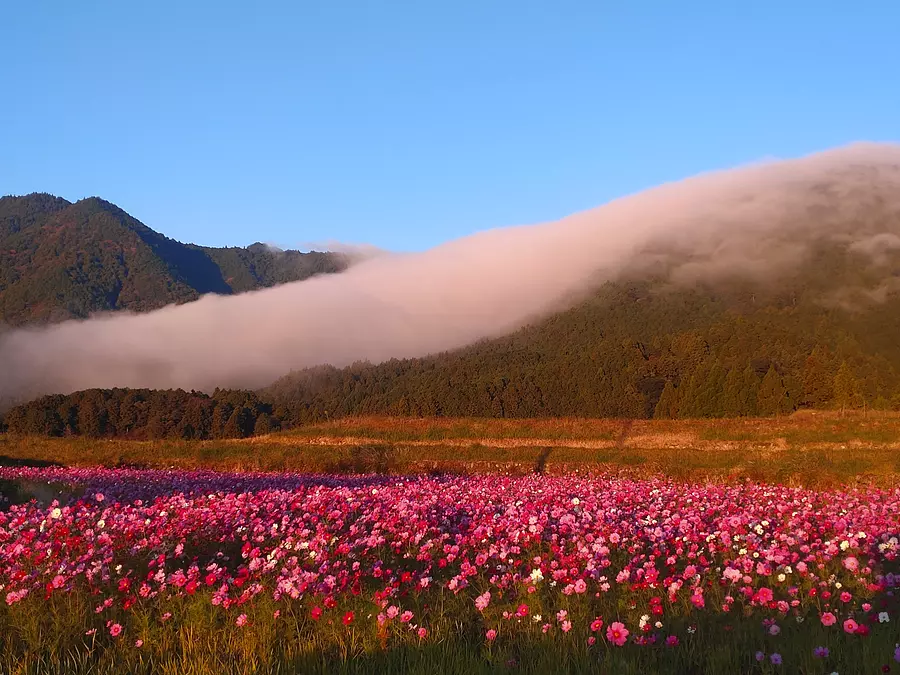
point(60, 261)
point(671, 351)
point(668, 404)
point(773, 397)
point(145, 414)
point(846, 388)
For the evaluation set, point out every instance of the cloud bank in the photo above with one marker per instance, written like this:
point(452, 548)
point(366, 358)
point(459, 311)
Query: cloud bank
point(753, 221)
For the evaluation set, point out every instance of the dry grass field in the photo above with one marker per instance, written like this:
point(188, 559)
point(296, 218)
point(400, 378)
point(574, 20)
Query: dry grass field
point(810, 448)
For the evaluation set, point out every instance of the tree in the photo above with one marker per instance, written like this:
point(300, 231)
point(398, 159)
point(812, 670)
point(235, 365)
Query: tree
point(667, 406)
point(263, 425)
point(846, 388)
point(818, 384)
point(739, 393)
point(772, 398)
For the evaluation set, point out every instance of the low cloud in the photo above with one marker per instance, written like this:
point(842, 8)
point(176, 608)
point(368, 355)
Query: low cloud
point(753, 222)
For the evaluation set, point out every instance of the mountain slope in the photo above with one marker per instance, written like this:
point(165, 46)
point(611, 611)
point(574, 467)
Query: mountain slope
point(60, 260)
point(641, 347)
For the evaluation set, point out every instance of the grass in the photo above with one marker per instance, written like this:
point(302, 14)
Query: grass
point(42, 636)
point(811, 449)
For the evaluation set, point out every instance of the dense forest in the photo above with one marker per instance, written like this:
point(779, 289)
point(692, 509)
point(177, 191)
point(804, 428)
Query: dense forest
point(637, 348)
point(811, 338)
point(145, 414)
point(60, 261)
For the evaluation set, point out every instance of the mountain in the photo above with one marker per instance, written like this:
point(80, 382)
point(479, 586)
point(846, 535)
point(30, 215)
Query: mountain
point(636, 349)
point(795, 306)
point(60, 260)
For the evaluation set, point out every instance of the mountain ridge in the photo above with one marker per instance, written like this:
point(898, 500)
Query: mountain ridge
point(62, 260)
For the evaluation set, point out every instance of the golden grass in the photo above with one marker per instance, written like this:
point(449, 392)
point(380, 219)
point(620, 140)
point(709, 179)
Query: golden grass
point(808, 448)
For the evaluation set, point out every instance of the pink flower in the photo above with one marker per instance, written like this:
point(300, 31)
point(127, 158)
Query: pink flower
point(850, 626)
point(115, 630)
point(828, 619)
point(846, 597)
point(596, 624)
point(561, 615)
point(851, 563)
point(672, 641)
point(617, 633)
point(392, 611)
point(491, 635)
point(591, 640)
point(138, 643)
point(241, 620)
point(422, 633)
point(482, 601)
point(566, 626)
point(522, 610)
point(406, 616)
point(580, 586)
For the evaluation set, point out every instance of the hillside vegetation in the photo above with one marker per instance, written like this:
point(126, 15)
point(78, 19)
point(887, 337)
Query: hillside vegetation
point(60, 260)
point(144, 414)
point(641, 347)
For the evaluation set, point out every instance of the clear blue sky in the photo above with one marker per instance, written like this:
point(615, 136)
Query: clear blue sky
point(403, 124)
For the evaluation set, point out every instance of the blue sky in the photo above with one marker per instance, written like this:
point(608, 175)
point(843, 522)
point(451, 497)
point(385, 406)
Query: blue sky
point(404, 124)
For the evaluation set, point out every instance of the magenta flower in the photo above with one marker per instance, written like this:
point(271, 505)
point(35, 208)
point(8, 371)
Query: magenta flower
point(617, 633)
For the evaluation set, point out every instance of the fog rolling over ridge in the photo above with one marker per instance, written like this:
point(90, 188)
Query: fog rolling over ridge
point(750, 222)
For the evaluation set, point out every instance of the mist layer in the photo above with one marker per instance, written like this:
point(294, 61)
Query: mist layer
point(752, 222)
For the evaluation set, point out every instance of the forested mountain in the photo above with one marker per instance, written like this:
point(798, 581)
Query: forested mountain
point(826, 334)
point(60, 260)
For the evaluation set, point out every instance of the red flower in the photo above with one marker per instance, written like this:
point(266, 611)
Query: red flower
point(316, 613)
point(348, 618)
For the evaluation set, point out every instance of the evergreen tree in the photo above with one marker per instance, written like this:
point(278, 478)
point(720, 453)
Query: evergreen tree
point(667, 406)
point(846, 388)
point(818, 384)
point(772, 398)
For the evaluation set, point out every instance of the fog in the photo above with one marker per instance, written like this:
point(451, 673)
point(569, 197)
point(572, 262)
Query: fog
point(754, 221)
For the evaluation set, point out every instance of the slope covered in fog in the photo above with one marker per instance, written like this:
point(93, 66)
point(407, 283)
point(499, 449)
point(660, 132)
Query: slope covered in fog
point(724, 244)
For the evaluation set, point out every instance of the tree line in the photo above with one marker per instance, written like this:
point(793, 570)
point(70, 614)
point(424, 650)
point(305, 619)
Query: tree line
point(145, 414)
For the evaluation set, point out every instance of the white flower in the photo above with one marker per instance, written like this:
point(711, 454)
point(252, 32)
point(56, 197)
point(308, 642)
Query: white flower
point(576, 501)
point(536, 576)
point(845, 545)
point(537, 618)
point(659, 624)
point(883, 617)
point(838, 585)
point(55, 513)
point(781, 577)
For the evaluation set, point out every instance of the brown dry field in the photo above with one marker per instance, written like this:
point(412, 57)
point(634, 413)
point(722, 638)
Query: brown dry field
point(810, 448)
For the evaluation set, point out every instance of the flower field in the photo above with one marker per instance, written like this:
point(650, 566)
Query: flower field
point(201, 572)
